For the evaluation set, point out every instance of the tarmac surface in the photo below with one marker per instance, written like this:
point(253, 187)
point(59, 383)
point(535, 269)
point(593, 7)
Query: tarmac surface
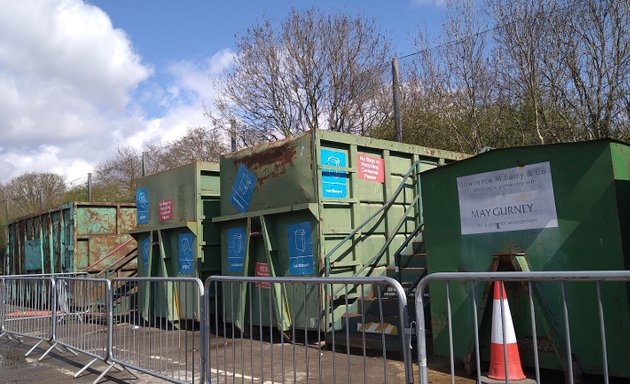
point(55, 368)
point(231, 361)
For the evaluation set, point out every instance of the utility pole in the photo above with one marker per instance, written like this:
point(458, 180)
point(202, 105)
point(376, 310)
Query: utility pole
point(89, 187)
point(4, 262)
point(396, 93)
point(144, 163)
point(233, 134)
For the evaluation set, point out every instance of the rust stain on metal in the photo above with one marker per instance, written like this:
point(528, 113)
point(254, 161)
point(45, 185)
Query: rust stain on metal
point(269, 161)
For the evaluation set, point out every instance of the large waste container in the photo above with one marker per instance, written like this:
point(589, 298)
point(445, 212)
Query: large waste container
point(73, 237)
point(286, 204)
point(556, 207)
point(176, 236)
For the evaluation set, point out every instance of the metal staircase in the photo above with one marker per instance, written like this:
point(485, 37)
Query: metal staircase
point(375, 316)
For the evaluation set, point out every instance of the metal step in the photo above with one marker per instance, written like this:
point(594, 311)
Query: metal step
point(368, 332)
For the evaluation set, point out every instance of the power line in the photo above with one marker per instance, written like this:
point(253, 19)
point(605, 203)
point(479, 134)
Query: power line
point(483, 32)
point(453, 42)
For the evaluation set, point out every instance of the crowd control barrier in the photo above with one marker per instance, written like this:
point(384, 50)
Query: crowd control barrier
point(273, 329)
point(324, 330)
point(27, 307)
point(557, 309)
point(165, 342)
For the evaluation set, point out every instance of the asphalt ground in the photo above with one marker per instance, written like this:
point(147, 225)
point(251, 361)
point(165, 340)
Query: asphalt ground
point(232, 360)
point(56, 367)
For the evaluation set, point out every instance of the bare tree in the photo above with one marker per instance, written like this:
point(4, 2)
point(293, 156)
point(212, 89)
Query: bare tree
point(199, 143)
point(33, 191)
point(520, 36)
point(557, 71)
point(455, 86)
point(568, 63)
point(116, 179)
point(311, 71)
point(593, 35)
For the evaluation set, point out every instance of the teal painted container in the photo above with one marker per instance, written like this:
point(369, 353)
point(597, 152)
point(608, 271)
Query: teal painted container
point(176, 236)
point(286, 205)
point(73, 237)
point(557, 207)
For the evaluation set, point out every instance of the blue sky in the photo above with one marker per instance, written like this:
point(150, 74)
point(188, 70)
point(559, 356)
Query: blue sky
point(166, 32)
point(79, 79)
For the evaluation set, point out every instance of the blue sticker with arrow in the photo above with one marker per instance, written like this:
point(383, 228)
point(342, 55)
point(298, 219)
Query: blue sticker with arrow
point(242, 189)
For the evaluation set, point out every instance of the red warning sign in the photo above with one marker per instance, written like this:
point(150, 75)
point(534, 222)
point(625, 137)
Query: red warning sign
point(165, 209)
point(262, 270)
point(371, 168)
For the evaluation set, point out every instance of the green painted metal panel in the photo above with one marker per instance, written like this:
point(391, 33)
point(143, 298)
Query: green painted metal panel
point(33, 252)
point(175, 196)
point(83, 251)
point(70, 237)
point(188, 197)
point(313, 189)
point(587, 183)
point(96, 220)
point(175, 210)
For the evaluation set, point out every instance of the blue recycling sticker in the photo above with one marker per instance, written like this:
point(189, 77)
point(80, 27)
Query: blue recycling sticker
point(334, 182)
point(242, 189)
point(300, 249)
point(144, 255)
point(185, 253)
point(236, 249)
point(142, 205)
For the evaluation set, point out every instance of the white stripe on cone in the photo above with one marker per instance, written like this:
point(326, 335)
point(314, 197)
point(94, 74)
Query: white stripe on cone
point(498, 365)
point(497, 324)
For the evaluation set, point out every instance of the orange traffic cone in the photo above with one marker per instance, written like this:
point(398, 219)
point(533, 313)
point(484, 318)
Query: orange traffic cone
point(497, 360)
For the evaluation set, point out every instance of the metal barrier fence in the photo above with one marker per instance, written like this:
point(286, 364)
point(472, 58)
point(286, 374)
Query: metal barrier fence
point(467, 296)
point(272, 330)
point(55, 275)
point(150, 325)
point(27, 307)
point(155, 327)
point(325, 330)
point(82, 317)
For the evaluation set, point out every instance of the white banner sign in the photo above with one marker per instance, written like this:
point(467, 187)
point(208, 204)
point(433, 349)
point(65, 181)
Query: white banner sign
point(512, 199)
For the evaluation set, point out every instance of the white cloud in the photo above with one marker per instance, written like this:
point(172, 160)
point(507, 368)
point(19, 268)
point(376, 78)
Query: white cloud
point(66, 75)
point(191, 89)
point(67, 79)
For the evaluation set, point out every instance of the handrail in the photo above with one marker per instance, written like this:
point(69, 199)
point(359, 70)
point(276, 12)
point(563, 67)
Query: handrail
point(403, 246)
point(386, 206)
point(119, 247)
point(389, 240)
point(124, 260)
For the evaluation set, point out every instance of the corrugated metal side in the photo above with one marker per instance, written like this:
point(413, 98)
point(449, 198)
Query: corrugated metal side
point(69, 238)
point(175, 234)
point(285, 204)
